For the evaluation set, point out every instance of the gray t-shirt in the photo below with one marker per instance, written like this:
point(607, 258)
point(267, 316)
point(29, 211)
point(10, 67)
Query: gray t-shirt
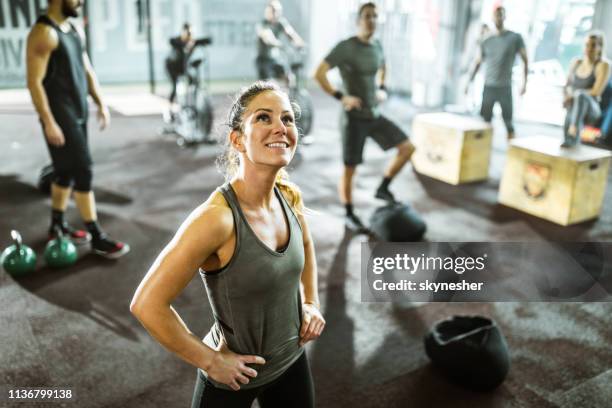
point(358, 63)
point(498, 54)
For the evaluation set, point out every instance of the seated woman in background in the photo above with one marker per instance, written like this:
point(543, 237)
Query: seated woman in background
point(586, 82)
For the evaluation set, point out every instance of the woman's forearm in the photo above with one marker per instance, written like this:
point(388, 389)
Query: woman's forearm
point(602, 76)
point(311, 295)
point(165, 325)
point(309, 279)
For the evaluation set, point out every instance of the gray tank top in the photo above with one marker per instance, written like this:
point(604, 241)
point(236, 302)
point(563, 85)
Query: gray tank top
point(583, 83)
point(255, 298)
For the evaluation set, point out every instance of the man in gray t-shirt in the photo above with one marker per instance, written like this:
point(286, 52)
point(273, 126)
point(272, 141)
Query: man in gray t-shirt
point(359, 63)
point(498, 52)
point(360, 59)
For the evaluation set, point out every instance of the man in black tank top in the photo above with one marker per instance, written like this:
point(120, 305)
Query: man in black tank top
point(60, 77)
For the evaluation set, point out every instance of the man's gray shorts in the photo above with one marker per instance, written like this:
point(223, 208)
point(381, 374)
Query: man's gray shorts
point(502, 95)
point(355, 131)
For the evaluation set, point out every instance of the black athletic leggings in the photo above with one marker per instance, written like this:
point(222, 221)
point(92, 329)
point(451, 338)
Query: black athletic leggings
point(173, 73)
point(293, 389)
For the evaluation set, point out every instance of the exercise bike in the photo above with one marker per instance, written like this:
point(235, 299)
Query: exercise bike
point(292, 62)
point(299, 94)
point(192, 123)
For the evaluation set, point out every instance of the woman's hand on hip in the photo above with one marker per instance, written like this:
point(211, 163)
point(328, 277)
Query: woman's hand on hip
point(231, 369)
point(313, 323)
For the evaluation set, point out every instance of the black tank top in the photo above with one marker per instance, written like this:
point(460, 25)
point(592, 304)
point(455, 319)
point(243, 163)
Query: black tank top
point(65, 81)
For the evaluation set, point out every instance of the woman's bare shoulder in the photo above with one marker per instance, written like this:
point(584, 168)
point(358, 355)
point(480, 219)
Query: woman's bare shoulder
point(211, 219)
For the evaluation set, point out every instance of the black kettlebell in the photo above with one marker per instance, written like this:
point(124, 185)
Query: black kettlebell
point(397, 222)
point(470, 351)
point(18, 259)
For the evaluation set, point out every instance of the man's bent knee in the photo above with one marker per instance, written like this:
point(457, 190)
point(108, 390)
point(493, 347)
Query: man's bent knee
point(83, 179)
point(349, 169)
point(406, 149)
point(63, 178)
point(581, 94)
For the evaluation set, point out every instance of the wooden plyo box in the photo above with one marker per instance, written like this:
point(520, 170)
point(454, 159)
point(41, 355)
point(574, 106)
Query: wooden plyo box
point(451, 148)
point(565, 186)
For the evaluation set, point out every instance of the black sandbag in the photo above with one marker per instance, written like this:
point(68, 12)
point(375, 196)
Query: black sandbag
point(470, 351)
point(397, 222)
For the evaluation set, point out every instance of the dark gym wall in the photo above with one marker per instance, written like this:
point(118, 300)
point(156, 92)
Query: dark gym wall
point(418, 36)
point(16, 17)
point(119, 45)
point(232, 24)
point(119, 42)
point(601, 21)
point(119, 35)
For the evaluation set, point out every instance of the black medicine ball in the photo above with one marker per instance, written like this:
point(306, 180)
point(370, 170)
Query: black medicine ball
point(397, 222)
point(470, 351)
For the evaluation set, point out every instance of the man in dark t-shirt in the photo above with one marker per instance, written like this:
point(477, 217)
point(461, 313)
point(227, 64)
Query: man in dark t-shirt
point(269, 31)
point(176, 63)
point(360, 60)
point(181, 49)
point(498, 52)
point(60, 77)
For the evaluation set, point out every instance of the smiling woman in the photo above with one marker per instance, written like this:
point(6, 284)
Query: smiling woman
point(254, 251)
point(229, 161)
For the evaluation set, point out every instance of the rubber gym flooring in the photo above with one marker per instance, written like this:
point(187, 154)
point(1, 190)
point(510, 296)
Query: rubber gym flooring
point(72, 328)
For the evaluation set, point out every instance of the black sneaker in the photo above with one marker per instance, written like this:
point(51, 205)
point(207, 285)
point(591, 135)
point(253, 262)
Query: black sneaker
point(109, 248)
point(353, 223)
point(77, 236)
point(384, 194)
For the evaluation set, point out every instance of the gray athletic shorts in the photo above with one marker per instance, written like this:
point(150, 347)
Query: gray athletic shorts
point(355, 131)
point(501, 94)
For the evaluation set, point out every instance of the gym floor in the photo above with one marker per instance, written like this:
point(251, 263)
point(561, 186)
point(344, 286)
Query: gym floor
point(72, 328)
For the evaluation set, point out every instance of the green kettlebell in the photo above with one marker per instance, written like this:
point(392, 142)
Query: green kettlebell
point(60, 252)
point(18, 259)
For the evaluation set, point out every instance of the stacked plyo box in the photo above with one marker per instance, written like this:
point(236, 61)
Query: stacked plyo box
point(565, 186)
point(451, 148)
